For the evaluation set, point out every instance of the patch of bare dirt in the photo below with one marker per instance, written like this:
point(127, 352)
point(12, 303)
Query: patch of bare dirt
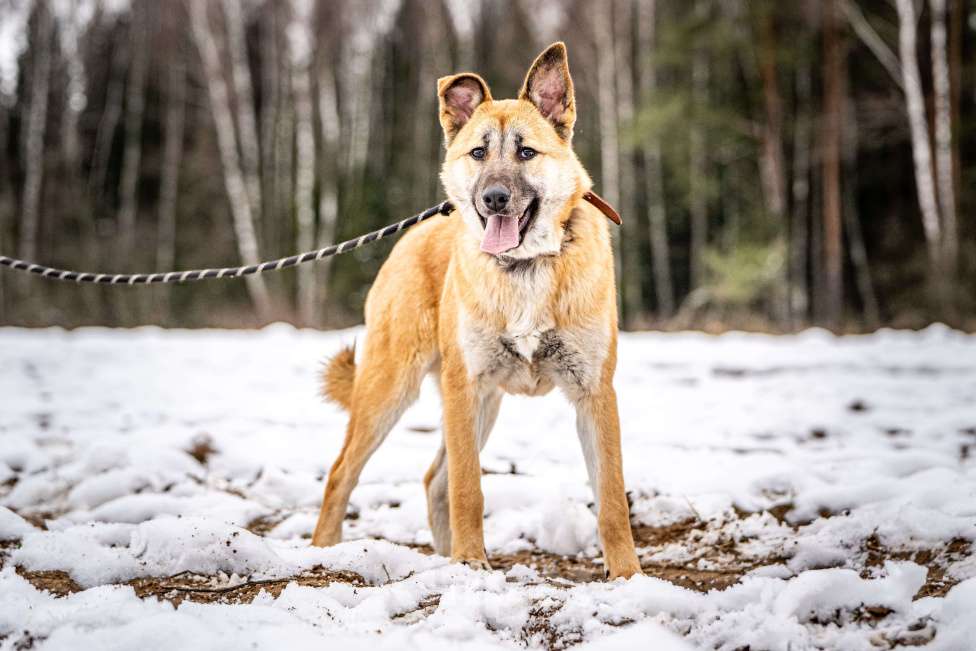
point(201, 589)
point(262, 525)
point(58, 583)
point(936, 561)
point(539, 630)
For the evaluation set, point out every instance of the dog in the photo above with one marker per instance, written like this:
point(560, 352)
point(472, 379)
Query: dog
point(513, 293)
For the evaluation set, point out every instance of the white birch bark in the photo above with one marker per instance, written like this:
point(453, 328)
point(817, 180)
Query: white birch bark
point(299, 48)
point(464, 16)
point(943, 136)
point(329, 182)
point(247, 125)
point(40, 80)
point(656, 210)
point(368, 22)
point(169, 183)
point(233, 177)
point(921, 147)
point(270, 91)
point(609, 182)
point(630, 279)
point(135, 103)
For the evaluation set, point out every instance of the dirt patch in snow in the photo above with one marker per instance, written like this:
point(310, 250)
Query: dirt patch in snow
point(207, 589)
point(936, 561)
point(58, 583)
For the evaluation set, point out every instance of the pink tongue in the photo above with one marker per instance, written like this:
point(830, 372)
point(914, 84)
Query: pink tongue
point(501, 234)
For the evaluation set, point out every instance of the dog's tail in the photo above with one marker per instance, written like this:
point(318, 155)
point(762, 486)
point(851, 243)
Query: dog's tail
point(338, 377)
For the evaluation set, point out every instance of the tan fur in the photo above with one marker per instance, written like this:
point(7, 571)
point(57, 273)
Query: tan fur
point(540, 316)
point(338, 377)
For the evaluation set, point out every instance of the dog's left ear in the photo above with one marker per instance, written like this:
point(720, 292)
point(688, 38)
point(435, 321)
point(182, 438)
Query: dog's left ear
point(459, 96)
point(550, 88)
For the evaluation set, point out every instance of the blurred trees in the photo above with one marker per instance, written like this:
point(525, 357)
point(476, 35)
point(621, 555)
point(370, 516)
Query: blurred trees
point(777, 164)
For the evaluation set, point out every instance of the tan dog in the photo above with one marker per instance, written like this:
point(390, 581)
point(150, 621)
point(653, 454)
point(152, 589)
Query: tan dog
point(513, 294)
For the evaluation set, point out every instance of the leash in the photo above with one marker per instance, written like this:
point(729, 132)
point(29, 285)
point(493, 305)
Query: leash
point(443, 208)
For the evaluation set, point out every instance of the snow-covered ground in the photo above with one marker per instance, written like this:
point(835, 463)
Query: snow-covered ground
point(157, 490)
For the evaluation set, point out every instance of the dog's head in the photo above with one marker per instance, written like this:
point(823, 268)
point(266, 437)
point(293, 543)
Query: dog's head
point(510, 167)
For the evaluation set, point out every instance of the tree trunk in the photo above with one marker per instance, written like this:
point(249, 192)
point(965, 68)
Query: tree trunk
point(329, 182)
point(464, 17)
point(135, 102)
point(921, 147)
point(170, 174)
point(271, 98)
point(653, 168)
point(943, 140)
point(630, 280)
point(40, 80)
point(247, 125)
point(107, 126)
point(233, 178)
point(772, 165)
point(830, 139)
point(300, 50)
point(609, 183)
point(698, 156)
point(800, 218)
point(423, 170)
point(957, 19)
point(852, 220)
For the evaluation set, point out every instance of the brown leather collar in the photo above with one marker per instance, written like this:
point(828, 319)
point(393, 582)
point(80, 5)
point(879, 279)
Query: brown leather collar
point(602, 205)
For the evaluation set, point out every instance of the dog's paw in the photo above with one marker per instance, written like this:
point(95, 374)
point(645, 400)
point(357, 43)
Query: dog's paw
point(624, 573)
point(475, 563)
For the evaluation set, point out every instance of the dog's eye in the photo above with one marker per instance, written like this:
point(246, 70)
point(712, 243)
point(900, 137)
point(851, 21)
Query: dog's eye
point(478, 153)
point(526, 153)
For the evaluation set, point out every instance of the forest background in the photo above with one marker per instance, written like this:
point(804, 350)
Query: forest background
point(777, 164)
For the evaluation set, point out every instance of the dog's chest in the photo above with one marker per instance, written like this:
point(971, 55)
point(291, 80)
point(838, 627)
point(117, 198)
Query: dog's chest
point(533, 362)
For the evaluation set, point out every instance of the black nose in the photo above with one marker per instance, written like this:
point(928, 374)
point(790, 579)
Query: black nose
point(496, 198)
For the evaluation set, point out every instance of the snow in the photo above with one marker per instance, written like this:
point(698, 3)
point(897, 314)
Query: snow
point(863, 447)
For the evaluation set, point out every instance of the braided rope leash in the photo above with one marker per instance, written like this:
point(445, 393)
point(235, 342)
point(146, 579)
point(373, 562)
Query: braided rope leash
point(443, 208)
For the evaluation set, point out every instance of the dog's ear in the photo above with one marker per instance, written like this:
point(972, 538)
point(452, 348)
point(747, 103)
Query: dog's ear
point(550, 88)
point(459, 96)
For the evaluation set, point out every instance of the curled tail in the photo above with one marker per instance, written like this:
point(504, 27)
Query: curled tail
point(338, 377)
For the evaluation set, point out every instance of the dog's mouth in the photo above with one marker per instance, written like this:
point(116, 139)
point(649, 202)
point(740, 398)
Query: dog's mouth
point(503, 232)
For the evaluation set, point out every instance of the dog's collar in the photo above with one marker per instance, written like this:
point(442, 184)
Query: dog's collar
point(602, 205)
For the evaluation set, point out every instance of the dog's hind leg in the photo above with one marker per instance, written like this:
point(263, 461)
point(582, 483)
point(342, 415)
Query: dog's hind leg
point(435, 481)
point(386, 384)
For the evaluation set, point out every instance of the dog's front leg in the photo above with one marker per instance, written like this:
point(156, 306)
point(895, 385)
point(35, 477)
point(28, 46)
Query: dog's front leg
point(466, 502)
point(598, 425)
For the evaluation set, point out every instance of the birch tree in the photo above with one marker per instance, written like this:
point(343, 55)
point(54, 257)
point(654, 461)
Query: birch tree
point(329, 130)
point(227, 143)
point(367, 22)
point(653, 165)
point(33, 142)
point(903, 69)
point(630, 280)
point(942, 109)
point(300, 56)
point(247, 126)
point(921, 145)
point(135, 103)
point(609, 183)
point(173, 133)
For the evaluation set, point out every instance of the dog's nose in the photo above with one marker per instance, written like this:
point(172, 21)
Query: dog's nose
point(496, 198)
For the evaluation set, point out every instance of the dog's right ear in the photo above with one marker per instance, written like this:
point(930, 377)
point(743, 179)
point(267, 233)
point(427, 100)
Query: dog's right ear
point(459, 96)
